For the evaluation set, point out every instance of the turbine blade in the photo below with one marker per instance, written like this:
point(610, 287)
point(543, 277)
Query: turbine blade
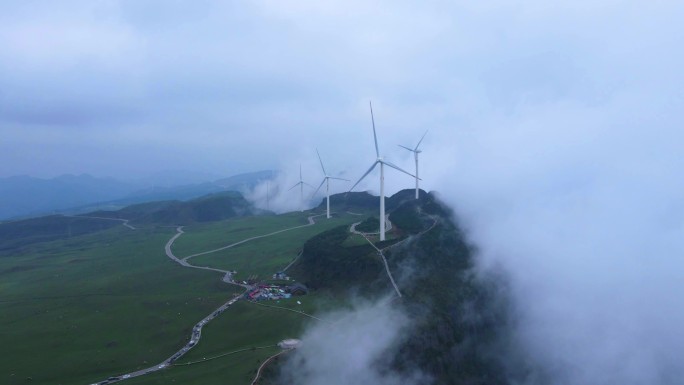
point(306, 184)
point(346, 180)
point(375, 136)
point(300, 172)
point(319, 187)
point(296, 184)
point(421, 139)
point(364, 175)
point(321, 160)
point(410, 149)
point(398, 168)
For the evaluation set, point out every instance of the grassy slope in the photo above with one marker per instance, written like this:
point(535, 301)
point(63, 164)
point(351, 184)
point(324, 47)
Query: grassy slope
point(78, 310)
point(268, 255)
point(244, 325)
point(203, 237)
point(22, 235)
point(457, 317)
point(234, 369)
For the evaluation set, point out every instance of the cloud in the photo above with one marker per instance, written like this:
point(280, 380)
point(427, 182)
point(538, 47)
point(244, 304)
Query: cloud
point(352, 347)
point(580, 206)
point(281, 193)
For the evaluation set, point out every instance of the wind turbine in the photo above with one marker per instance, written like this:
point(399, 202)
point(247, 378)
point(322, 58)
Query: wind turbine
point(382, 162)
point(301, 184)
point(267, 195)
point(415, 152)
point(326, 180)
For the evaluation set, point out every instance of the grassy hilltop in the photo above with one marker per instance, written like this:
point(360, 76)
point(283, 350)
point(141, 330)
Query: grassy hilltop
point(455, 319)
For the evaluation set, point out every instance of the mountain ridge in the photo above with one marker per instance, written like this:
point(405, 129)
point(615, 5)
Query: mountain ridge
point(24, 196)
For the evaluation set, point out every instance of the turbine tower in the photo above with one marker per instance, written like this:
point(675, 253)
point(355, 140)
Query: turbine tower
point(382, 162)
point(326, 180)
point(267, 188)
point(301, 184)
point(415, 152)
point(267, 195)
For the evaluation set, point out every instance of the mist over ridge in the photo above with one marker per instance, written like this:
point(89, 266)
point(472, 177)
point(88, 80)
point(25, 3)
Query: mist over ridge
point(555, 135)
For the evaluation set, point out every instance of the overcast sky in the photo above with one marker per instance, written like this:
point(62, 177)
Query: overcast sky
point(121, 88)
point(555, 132)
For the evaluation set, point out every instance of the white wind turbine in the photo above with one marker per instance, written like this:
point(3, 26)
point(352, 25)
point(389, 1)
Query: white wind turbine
point(415, 152)
point(301, 185)
point(382, 162)
point(326, 180)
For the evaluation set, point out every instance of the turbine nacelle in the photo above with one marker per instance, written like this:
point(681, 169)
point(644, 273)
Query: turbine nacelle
point(415, 150)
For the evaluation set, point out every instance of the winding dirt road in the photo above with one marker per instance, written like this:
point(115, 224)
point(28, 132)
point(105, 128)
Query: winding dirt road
point(353, 230)
point(310, 219)
point(125, 221)
point(263, 365)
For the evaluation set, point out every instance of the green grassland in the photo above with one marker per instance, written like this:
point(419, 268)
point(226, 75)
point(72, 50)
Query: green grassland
point(265, 256)
point(236, 369)
point(83, 299)
point(354, 240)
point(207, 236)
point(83, 308)
point(23, 234)
point(79, 310)
point(245, 325)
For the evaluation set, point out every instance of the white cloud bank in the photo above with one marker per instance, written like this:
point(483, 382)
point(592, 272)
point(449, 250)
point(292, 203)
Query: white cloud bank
point(582, 206)
point(352, 347)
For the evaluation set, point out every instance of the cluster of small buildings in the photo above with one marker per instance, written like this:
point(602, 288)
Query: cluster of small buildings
point(263, 292)
point(281, 275)
point(273, 292)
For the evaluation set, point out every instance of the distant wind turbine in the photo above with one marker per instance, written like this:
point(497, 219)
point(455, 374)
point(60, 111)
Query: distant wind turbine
point(326, 180)
point(270, 176)
point(301, 185)
point(415, 152)
point(382, 162)
point(267, 195)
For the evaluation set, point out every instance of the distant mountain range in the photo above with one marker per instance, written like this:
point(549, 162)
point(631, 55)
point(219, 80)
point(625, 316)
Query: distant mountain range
point(25, 196)
point(208, 208)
